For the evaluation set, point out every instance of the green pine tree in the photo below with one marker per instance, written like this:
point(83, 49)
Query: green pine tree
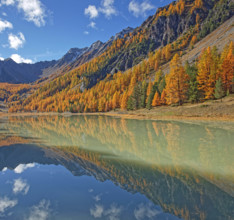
point(193, 92)
point(143, 94)
point(219, 92)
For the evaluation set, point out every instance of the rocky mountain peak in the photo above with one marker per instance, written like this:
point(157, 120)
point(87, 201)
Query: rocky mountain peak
point(96, 45)
point(123, 32)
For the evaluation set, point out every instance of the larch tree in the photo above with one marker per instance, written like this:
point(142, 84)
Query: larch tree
point(176, 82)
point(156, 100)
point(115, 100)
point(163, 97)
point(124, 101)
point(207, 72)
point(227, 69)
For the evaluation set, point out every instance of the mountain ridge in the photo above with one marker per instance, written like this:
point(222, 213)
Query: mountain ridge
point(46, 68)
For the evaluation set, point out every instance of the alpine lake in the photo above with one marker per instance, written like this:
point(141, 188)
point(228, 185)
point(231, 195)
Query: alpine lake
point(100, 167)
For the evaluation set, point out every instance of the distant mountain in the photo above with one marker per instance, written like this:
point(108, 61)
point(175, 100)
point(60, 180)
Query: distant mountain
point(76, 57)
point(13, 72)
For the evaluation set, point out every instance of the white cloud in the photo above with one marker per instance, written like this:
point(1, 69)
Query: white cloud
point(22, 167)
point(40, 211)
point(91, 11)
point(145, 212)
point(108, 8)
point(4, 25)
point(86, 32)
point(18, 59)
point(1, 59)
point(92, 25)
point(6, 203)
point(4, 14)
point(16, 41)
point(20, 186)
point(34, 11)
point(8, 2)
point(140, 9)
point(97, 211)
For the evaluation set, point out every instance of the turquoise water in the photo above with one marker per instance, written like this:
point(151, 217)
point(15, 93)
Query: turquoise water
point(97, 167)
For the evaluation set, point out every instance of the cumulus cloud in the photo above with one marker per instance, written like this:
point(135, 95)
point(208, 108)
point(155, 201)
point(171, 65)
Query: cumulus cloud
point(18, 59)
point(91, 11)
point(97, 211)
point(20, 186)
point(140, 9)
point(8, 2)
point(4, 25)
point(1, 59)
point(145, 212)
point(108, 8)
point(22, 167)
point(40, 211)
point(16, 41)
point(6, 203)
point(92, 25)
point(34, 11)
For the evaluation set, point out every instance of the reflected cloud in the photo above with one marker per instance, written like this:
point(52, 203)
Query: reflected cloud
point(6, 203)
point(20, 186)
point(4, 169)
point(113, 212)
point(144, 211)
point(97, 198)
point(22, 167)
point(97, 211)
point(90, 190)
point(40, 211)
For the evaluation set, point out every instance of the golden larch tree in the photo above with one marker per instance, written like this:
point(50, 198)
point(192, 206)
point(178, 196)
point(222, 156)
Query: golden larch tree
point(124, 101)
point(208, 68)
point(176, 82)
point(163, 97)
point(156, 100)
point(227, 69)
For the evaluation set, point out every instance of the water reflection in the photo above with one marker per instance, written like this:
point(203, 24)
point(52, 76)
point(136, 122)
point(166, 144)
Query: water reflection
point(184, 169)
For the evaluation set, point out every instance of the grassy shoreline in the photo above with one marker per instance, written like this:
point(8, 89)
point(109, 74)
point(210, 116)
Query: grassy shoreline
point(208, 111)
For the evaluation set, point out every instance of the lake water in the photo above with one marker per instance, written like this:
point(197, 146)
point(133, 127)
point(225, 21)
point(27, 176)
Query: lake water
point(97, 167)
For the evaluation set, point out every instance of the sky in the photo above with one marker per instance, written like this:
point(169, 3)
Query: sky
point(39, 30)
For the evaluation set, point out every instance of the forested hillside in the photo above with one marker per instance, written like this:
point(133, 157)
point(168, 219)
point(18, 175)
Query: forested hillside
point(121, 76)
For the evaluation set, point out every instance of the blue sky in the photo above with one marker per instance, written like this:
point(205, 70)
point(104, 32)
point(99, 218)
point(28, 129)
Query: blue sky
point(37, 30)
